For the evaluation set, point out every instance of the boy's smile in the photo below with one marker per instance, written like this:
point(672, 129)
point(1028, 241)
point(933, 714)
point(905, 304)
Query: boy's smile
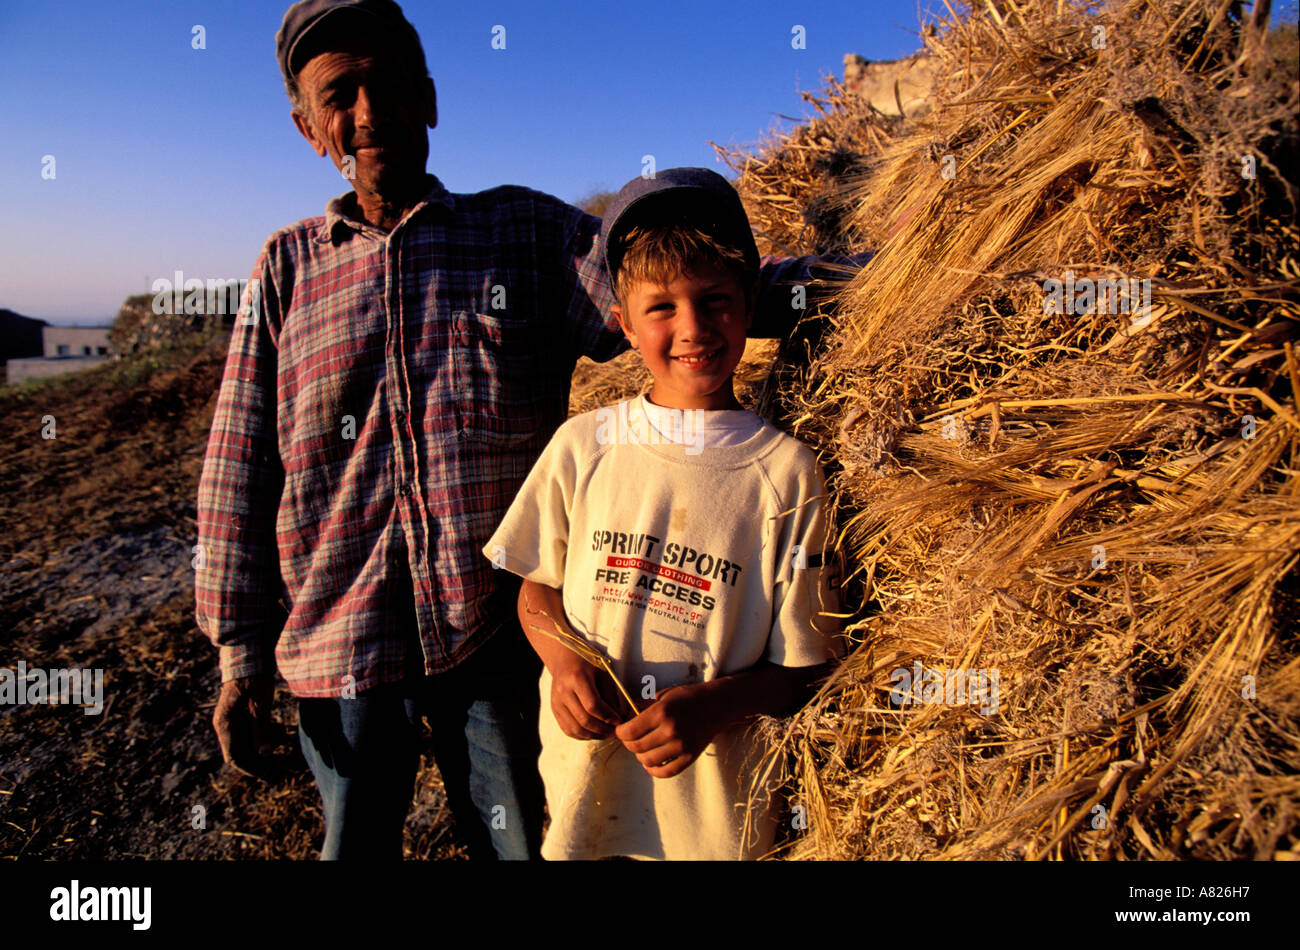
point(691, 334)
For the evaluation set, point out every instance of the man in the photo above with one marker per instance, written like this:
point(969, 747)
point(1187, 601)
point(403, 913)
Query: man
point(403, 362)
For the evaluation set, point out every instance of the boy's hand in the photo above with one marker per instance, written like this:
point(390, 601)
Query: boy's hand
point(580, 710)
point(669, 735)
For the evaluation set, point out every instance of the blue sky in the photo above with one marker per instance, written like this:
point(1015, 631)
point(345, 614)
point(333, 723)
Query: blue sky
point(170, 158)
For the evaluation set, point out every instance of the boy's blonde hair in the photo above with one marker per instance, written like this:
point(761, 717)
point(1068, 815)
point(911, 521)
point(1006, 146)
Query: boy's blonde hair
point(659, 253)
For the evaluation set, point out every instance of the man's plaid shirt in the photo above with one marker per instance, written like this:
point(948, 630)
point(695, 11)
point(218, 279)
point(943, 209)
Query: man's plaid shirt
point(379, 411)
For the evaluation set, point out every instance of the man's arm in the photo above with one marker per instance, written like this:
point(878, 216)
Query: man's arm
point(790, 288)
point(237, 577)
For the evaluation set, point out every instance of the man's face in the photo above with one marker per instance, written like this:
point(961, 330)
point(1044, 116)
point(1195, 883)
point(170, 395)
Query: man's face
point(368, 110)
point(691, 334)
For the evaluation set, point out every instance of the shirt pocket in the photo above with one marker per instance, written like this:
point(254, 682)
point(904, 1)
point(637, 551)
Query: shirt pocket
point(496, 380)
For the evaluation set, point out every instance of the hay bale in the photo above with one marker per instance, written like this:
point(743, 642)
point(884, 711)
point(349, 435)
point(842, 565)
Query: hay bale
point(1101, 506)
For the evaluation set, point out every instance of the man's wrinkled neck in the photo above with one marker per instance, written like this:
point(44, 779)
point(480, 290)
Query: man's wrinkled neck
point(384, 210)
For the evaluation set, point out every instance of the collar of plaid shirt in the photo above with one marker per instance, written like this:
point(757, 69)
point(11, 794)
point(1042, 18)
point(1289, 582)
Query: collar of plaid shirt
point(341, 212)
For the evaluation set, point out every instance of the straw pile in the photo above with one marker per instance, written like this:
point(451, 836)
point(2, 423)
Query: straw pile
point(1100, 505)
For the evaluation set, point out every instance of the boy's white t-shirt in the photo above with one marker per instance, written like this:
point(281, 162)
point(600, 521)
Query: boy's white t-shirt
point(682, 563)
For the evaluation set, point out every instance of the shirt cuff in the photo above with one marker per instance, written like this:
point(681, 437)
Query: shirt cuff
point(242, 660)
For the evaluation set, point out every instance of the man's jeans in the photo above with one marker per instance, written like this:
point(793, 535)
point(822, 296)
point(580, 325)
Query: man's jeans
point(364, 753)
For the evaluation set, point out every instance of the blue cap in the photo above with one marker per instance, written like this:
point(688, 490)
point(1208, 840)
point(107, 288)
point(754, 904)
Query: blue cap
point(304, 16)
point(695, 196)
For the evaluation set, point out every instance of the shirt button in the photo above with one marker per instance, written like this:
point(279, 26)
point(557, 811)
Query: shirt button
point(404, 490)
point(401, 417)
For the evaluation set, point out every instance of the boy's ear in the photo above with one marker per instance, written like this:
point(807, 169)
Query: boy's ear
point(624, 323)
point(751, 303)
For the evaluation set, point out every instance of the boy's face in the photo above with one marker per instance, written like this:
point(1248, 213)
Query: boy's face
point(691, 334)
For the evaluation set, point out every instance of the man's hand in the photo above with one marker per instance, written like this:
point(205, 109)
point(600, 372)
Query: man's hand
point(669, 735)
point(242, 720)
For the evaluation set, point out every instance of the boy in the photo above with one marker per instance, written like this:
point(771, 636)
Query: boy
point(680, 535)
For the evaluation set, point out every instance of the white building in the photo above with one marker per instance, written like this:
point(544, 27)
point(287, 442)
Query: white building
point(67, 350)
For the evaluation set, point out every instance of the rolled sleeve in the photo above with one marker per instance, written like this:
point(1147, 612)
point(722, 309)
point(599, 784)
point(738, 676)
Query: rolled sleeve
point(586, 295)
point(782, 304)
point(237, 571)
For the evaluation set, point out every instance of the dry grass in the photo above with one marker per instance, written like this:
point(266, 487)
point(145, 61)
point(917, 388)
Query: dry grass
point(1075, 500)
